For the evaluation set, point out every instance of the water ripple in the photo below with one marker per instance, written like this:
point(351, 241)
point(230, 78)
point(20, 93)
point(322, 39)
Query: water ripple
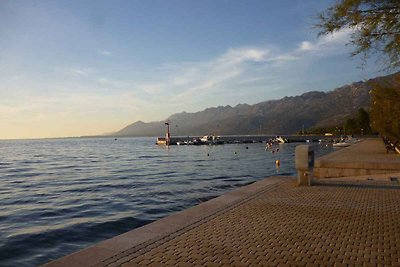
point(76, 192)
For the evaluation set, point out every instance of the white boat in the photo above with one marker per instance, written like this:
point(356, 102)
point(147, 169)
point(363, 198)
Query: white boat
point(206, 138)
point(211, 140)
point(345, 142)
point(342, 144)
point(281, 140)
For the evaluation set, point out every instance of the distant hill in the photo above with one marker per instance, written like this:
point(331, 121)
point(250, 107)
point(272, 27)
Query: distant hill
point(283, 116)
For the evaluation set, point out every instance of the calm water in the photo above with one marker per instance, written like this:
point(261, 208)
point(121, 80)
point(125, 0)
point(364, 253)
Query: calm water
point(59, 196)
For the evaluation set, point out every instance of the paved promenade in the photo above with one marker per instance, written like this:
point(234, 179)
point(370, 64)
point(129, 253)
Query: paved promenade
point(269, 223)
point(367, 157)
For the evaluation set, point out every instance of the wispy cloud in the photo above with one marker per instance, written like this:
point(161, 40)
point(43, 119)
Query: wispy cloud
point(327, 43)
point(307, 46)
point(253, 80)
point(188, 83)
point(198, 78)
point(195, 82)
point(153, 88)
point(241, 74)
point(67, 104)
point(240, 55)
point(113, 83)
point(104, 53)
point(81, 71)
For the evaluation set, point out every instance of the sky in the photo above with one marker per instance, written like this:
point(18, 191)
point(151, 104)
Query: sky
point(74, 68)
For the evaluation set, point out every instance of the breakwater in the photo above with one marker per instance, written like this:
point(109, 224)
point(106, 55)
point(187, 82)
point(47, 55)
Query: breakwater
point(240, 139)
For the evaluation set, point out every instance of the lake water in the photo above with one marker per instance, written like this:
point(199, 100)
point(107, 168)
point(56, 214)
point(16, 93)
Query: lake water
point(58, 196)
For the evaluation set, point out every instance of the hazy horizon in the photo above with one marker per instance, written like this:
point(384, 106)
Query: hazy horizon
point(73, 68)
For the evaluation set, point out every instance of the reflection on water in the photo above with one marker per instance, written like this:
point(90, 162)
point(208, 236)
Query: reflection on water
point(59, 196)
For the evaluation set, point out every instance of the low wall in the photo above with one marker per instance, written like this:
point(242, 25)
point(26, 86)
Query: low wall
point(329, 172)
point(367, 157)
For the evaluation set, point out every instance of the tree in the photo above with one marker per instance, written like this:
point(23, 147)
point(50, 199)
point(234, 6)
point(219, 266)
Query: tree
point(351, 126)
point(363, 123)
point(385, 110)
point(360, 124)
point(376, 25)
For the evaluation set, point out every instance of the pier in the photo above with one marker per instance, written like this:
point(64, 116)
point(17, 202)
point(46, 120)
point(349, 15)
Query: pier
point(273, 222)
point(246, 139)
point(368, 157)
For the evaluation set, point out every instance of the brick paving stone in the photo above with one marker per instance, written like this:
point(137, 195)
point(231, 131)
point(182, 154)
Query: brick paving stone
point(330, 224)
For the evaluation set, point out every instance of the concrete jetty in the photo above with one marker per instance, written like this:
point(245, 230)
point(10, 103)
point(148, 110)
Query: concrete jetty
point(363, 158)
point(273, 222)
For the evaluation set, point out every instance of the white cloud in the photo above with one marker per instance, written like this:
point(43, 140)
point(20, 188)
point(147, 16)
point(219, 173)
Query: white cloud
point(253, 80)
point(104, 52)
point(239, 55)
point(327, 43)
point(198, 78)
point(239, 74)
point(67, 104)
point(152, 88)
point(112, 83)
point(198, 81)
point(188, 83)
point(82, 71)
point(306, 46)
point(339, 37)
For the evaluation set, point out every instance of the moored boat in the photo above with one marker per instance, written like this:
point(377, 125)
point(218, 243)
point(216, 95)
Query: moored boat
point(345, 142)
point(281, 140)
point(211, 140)
point(342, 144)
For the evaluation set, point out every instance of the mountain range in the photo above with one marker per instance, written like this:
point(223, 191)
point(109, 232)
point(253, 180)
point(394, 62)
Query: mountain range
point(284, 116)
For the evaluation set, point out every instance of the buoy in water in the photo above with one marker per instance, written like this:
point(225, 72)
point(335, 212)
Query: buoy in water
point(277, 163)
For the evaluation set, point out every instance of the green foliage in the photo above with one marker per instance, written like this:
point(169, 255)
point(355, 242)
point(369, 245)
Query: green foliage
point(385, 110)
point(376, 25)
point(351, 125)
point(360, 124)
point(363, 122)
point(336, 130)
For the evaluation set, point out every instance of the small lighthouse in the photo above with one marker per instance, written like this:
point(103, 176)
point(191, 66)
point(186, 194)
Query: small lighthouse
point(165, 140)
point(167, 135)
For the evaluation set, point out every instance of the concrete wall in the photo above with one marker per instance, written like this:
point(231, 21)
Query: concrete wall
point(367, 157)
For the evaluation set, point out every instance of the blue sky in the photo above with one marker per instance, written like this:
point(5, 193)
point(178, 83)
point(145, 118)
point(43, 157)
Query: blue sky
point(71, 68)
